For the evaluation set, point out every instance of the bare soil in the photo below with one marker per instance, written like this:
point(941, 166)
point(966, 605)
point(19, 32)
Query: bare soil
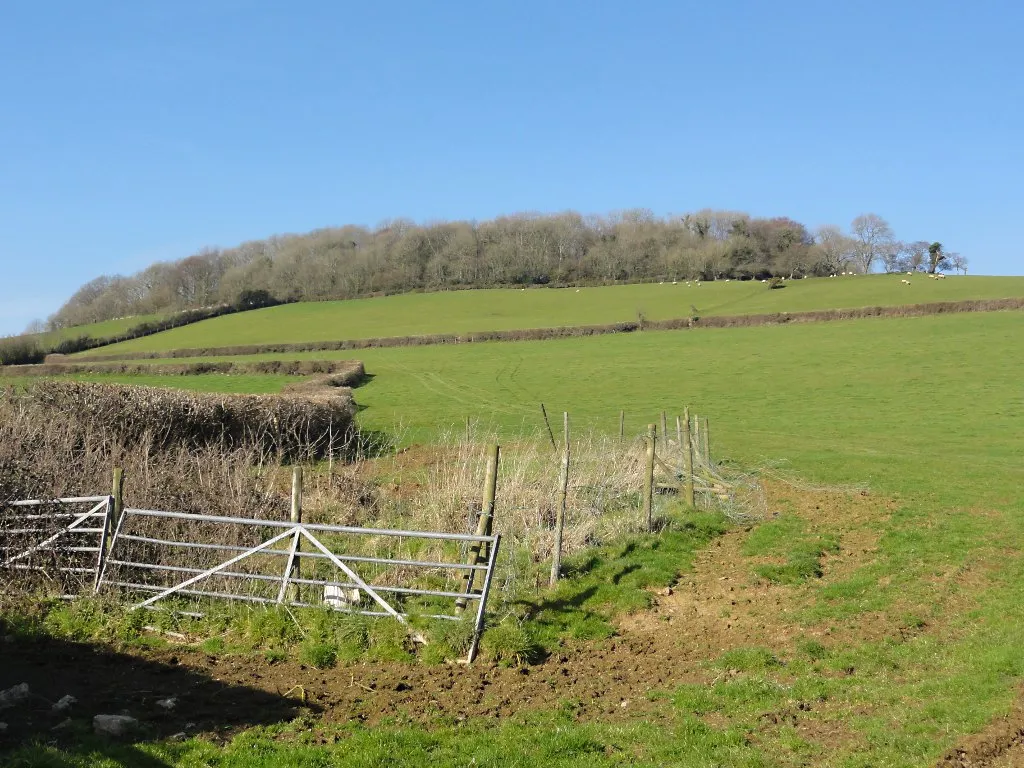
point(1000, 745)
point(716, 607)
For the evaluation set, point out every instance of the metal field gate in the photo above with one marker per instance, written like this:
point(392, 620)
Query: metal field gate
point(182, 557)
point(66, 536)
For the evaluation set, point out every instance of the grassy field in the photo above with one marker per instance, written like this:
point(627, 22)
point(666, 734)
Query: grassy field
point(105, 330)
point(925, 411)
point(493, 310)
point(849, 401)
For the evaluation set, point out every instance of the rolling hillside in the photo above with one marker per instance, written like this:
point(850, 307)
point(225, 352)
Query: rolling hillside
point(490, 310)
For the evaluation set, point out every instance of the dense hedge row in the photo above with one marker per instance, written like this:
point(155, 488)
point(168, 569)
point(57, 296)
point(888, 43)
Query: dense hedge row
point(349, 372)
point(288, 426)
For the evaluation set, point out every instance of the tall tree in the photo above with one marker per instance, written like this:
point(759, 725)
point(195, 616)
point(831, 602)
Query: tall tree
point(874, 240)
point(937, 258)
point(835, 250)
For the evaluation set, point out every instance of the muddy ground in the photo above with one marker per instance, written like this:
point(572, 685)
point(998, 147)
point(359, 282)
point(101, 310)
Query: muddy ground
point(716, 607)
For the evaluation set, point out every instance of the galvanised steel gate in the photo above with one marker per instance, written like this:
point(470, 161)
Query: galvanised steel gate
point(369, 571)
point(49, 537)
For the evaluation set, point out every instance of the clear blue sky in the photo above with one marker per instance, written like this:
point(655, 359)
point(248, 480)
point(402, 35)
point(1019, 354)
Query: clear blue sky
point(137, 131)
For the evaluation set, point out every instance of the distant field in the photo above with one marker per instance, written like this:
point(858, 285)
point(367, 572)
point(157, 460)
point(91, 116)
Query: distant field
point(857, 399)
point(490, 310)
point(105, 330)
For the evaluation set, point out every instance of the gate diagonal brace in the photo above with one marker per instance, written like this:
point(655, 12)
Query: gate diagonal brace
point(226, 564)
point(43, 544)
point(354, 576)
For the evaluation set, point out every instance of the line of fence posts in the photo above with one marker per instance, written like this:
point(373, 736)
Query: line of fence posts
point(691, 440)
point(478, 552)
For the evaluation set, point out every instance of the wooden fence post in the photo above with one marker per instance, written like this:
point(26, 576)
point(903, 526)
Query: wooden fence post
point(652, 436)
point(664, 433)
point(622, 426)
point(484, 524)
point(707, 443)
point(696, 438)
point(563, 491)
point(117, 491)
point(687, 460)
point(295, 516)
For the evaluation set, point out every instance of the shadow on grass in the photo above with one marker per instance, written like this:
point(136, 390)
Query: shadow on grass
point(106, 682)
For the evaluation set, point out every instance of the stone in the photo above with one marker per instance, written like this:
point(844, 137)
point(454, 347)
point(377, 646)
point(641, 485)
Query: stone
point(168, 704)
point(14, 695)
point(114, 725)
point(64, 703)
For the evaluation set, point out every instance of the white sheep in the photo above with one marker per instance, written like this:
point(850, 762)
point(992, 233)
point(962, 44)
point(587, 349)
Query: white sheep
point(940, 276)
point(905, 281)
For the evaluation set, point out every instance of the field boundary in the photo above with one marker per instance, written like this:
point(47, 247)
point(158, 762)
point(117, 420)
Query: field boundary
point(538, 334)
point(343, 373)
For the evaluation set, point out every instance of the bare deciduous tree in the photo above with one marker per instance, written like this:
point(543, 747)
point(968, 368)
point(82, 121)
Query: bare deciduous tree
point(526, 248)
point(874, 239)
point(835, 249)
point(957, 261)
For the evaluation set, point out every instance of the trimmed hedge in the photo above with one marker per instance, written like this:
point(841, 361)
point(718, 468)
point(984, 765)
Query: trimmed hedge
point(291, 426)
point(350, 372)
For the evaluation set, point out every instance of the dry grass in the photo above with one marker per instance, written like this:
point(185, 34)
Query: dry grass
point(45, 455)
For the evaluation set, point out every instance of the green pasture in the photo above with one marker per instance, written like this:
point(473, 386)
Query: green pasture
point(893, 401)
point(512, 309)
point(927, 412)
point(107, 329)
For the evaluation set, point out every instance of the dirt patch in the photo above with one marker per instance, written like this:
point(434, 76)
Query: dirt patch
point(721, 605)
point(1000, 745)
point(105, 682)
point(717, 607)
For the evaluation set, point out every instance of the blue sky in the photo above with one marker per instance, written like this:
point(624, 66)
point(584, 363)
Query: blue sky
point(132, 132)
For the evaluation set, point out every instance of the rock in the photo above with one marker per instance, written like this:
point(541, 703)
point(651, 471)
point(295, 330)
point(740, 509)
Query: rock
point(179, 736)
point(65, 723)
point(168, 704)
point(3, 727)
point(14, 696)
point(65, 703)
point(114, 725)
